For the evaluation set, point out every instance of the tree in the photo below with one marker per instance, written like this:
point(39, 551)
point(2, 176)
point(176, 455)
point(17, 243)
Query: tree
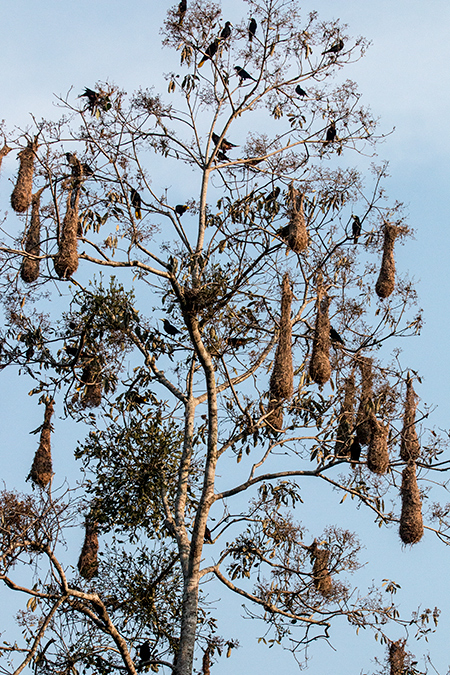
point(263, 339)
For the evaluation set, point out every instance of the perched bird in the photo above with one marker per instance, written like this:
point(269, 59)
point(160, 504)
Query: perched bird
point(331, 133)
point(356, 229)
point(243, 74)
point(135, 199)
point(87, 169)
point(210, 51)
point(225, 145)
point(144, 651)
point(335, 48)
point(71, 159)
point(252, 29)
point(355, 450)
point(180, 209)
point(272, 196)
point(300, 91)
point(226, 31)
point(208, 535)
point(221, 156)
point(182, 7)
point(96, 100)
point(335, 337)
point(170, 330)
point(236, 342)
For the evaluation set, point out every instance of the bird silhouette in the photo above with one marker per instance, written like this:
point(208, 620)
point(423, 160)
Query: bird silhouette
point(135, 199)
point(225, 145)
point(335, 337)
point(182, 7)
point(300, 91)
point(335, 48)
point(356, 229)
point(170, 330)
point(355, 451)
point(210, 51)
point(243, 74)
point(252, 29)
point(208, 535)
point(181, 208)
point(331, 133)
point(144, 651)
point(226, 31)
point(272, 196)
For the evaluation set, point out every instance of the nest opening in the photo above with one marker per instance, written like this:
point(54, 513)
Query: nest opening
point(411, 522)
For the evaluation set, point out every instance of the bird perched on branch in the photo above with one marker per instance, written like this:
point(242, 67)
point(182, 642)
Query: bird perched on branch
point(356, 229)
point(135, 199)
point(331, 133)
point(181, 208)
point(243, 74)
point(225, 145)
point(272, 196)
point(182, 7)
point(144, 651)
point(335, 337)
point(96, 100)
point(210, 51)
point(208, 535)
point(335, 48)
point(226, 31)
point(252, 29)
point(300, 91)
point(355, 451)
point(169, 328)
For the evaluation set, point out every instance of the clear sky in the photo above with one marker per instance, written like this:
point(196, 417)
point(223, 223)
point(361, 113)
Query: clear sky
point(49, 46)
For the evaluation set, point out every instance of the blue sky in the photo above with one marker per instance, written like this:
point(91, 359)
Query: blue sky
point(50, 46)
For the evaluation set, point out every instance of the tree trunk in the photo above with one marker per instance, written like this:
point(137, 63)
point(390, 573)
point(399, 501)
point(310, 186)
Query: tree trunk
point(185, 658)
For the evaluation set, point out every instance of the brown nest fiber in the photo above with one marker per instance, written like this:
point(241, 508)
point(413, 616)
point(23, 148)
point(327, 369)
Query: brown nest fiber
point(296, 232)
point(88, 560)
point(397, 657)
point(320, 573)
point(386, 279)
point(411, 523)
point(91, 377)
point(21, 195)
point(41, 470)
point(29, 270)
point(282, 378)
point(319, 365)
point(3, 152)
point(377, 454)
point(365, 410)
point(409, 445)
point(346, 419)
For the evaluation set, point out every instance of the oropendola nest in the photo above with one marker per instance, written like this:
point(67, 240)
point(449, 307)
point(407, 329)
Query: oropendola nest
point(29, 270)
point(397, 657)
point(411, 522)
point(386, 279)
point(378, 455)
point(66, 260)
point(320, 573)
point(21, 195)
point(41, 470)
point(365, 411)
point(319, 365)
point(409, 445)
point(88, 560)
point(346, 419)
point(3, 152)
point(297, 234)
point(91, 377)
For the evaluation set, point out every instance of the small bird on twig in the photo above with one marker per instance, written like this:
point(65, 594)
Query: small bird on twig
point(226, 31)
point(356, 229)
point(135, 199)
point(169, 328)
point(243, 74)
point(252, 26)
point(335, 337)
point(210, 51)
point(181, 208)
point(300, 91)
point(335, 48)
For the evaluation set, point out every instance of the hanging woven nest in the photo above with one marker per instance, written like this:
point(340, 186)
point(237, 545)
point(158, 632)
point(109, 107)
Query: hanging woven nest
point(29, 270)
point(378, 454)
point(92, 379)
point(41, 470)
point(296, 234)
point(411, 522)
point(320, 572)
point(21, 195)
point(3, 152)
point(409, 444)
point(88, 560)
point(346, 419)
point(386, 279)
point(365, 408)
point(66, 260)
point(397, 656)
point(319, 365)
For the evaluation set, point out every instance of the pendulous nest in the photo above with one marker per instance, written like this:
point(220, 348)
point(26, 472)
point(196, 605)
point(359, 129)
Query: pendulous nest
point(365, 408)
point(397, 657)
point(386, 279)
point(92, 379)
point(320, 573)
point(411, 522)
point(319, 365)
point(297, 234)
point(29, 270)
point(409, 444)
point(21, 195)
point(88, 560)
point(66, 260)
point(377, 454)
point(346, 419)
point(41, 470)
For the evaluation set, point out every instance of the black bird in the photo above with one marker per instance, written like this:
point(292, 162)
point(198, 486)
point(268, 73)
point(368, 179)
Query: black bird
point(135, 199)
point(252, 29)
point(355, 450)
point(356, 229)
point(182, 7)
point(226, 31)
point(180, 209)
point(221, 156)
point(225, 145)
point(208, 535)
point(210, 51)
point(272, 196)
point(243, 74)
point(335, 48)
point(170, 330)
point(300, 91)
point(335, 337)
point(71, 159)
point(87, 169)
point(144, 651)
point(331, 133)
point(236, 342)
point(96, 100)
